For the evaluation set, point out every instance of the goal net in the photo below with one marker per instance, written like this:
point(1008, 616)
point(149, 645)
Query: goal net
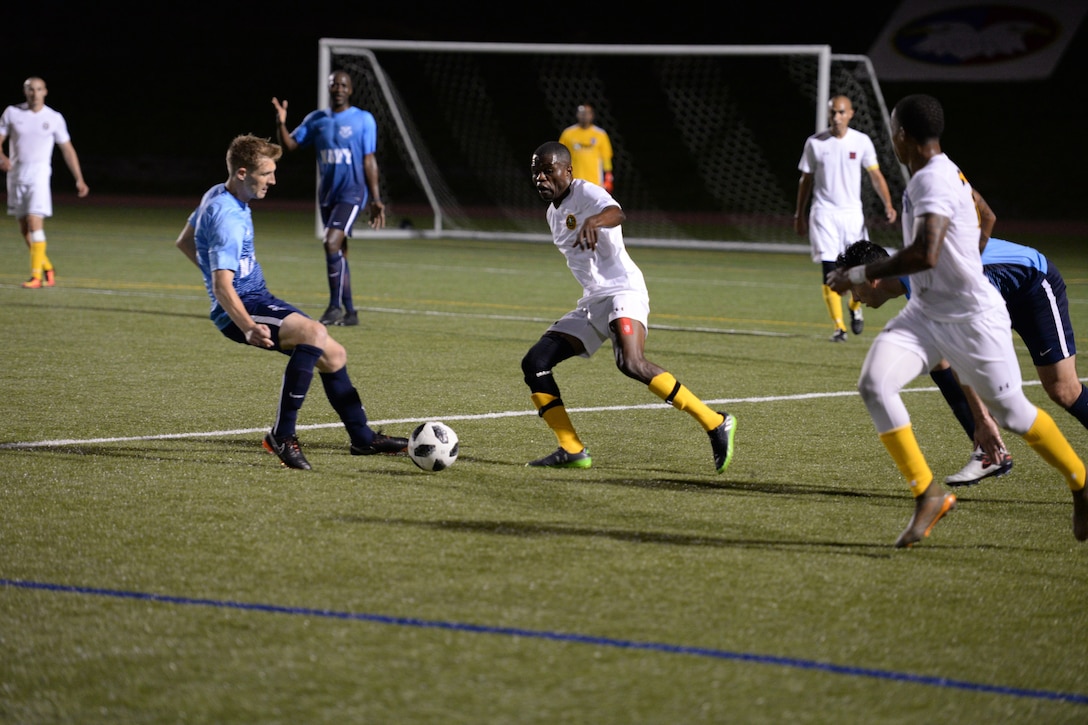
point(706, 138)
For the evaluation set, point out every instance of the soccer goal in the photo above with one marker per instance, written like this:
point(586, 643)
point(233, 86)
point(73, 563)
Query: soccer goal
point(706, 138)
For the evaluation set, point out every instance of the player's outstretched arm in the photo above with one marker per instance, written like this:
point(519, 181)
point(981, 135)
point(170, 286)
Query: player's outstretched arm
point(286, 139)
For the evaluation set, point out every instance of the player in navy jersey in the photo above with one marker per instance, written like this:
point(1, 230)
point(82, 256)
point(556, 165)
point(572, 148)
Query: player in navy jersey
point(218, 238)
point(345, 139)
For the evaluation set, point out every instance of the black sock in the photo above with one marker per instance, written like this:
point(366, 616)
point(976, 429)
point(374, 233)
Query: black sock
point(345, 400)
point(957, 400)
point(335, 266)
point(1079, 409)
point(296, 382)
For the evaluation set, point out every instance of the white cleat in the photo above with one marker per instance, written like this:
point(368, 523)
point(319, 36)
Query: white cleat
point(979, 467)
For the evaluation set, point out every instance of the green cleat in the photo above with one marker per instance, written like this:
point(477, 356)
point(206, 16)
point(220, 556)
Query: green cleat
point(562, 459)
point(721, 441)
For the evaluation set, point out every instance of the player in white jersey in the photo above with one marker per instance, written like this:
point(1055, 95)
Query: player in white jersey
point(954, 314)
point(586, 227)
point(33, 129)
point(830, 167)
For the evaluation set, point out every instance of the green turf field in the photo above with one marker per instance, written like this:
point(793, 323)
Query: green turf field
point(158, 566)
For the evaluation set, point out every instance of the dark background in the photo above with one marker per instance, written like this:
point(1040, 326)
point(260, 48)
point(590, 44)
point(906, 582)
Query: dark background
point(153, 94)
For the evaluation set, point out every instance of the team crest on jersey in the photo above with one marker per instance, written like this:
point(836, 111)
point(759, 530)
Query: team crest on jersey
point(853, 154)
point(572, 223)
point(345, 132)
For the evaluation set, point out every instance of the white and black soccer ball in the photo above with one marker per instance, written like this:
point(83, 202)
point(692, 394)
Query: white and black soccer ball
point(433, 446)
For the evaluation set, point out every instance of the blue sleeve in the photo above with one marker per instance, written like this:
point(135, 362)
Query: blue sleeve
point(225, 232)
point(369, 133)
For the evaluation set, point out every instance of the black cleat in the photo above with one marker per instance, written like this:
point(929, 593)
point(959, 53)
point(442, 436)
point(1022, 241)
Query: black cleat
point(288, 450)
point(388, 445)
point(332, 316)
point(350, 319)
point(721, 442)
point(857, 321)
point(561, 458)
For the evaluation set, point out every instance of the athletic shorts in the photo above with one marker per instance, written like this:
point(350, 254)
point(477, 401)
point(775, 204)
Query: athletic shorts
point(340, 216)
point(979, 350)
point(265, 309)
point(34, 198)
point(589, 322)
point(1039, 310)
point(831, 232)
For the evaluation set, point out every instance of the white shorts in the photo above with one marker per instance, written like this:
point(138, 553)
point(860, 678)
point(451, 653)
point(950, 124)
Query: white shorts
point(831, 232)
point(589, 322)
point(980, 351)
point(35, 198)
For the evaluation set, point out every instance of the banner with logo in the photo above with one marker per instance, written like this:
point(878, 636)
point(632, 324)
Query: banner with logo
point(957, 40)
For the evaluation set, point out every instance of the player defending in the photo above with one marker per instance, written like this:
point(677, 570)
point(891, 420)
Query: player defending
point(590, 149)
point(585, 222)
point(218, 239)
point(830, 166)
point(954, 314)
point(34, 128)
point(345, 139)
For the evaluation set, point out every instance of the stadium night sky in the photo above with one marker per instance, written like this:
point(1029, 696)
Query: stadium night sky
point(143, 85)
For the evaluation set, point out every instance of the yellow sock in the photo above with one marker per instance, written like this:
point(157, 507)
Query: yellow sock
point(1046, 440)
point(904, 450)
point(854, 304)
point(833, 300)
point(37, 259)
point(665, 386)
point(557, 419)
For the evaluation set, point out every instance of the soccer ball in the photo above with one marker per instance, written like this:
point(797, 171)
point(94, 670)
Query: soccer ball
point(433, 446)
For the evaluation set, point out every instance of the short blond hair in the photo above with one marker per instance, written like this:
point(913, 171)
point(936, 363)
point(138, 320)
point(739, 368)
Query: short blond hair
point(247, 150)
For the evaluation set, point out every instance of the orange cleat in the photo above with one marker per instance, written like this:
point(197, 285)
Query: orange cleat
point(33, 283)
point(50, 277)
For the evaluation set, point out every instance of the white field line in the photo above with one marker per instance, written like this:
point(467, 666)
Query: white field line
point(477, 416)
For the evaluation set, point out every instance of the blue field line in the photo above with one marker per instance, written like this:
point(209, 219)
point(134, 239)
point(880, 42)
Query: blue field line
point(794, 662)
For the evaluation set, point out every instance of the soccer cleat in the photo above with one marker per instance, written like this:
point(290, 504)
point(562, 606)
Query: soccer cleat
point(979, 467)
point(1080, 514)
point(839, 336)
point(560, 458)
point(288, 450)
point(928, 510)
point(33, 283)
point(332, 316)
point(857, 321)
point(721, 441)
point(389, 445)
point(350, 319)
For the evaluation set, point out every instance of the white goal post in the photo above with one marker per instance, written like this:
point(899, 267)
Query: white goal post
point(707, 137)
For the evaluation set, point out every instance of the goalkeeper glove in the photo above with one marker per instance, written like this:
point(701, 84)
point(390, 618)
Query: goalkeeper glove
point(608, 181)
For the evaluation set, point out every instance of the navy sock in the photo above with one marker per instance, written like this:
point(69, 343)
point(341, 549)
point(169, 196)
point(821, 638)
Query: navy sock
point(1079, 409)
point(296, 382)
point(335, 264)
point(345, 287)
point(345, 400)
point(954, 396)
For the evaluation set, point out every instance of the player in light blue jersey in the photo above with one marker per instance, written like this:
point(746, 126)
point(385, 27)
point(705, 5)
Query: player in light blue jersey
point(218, 238)
point(345, 139)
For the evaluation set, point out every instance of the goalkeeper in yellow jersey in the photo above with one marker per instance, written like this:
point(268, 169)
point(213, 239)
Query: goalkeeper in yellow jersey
point(590, 149)
point(585, 223)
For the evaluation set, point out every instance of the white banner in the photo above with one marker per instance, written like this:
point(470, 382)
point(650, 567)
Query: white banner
point(957, 40)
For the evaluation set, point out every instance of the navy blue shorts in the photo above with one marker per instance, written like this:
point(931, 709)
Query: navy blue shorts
point(1039, 310)
point(340, 216)
point(267, 310)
